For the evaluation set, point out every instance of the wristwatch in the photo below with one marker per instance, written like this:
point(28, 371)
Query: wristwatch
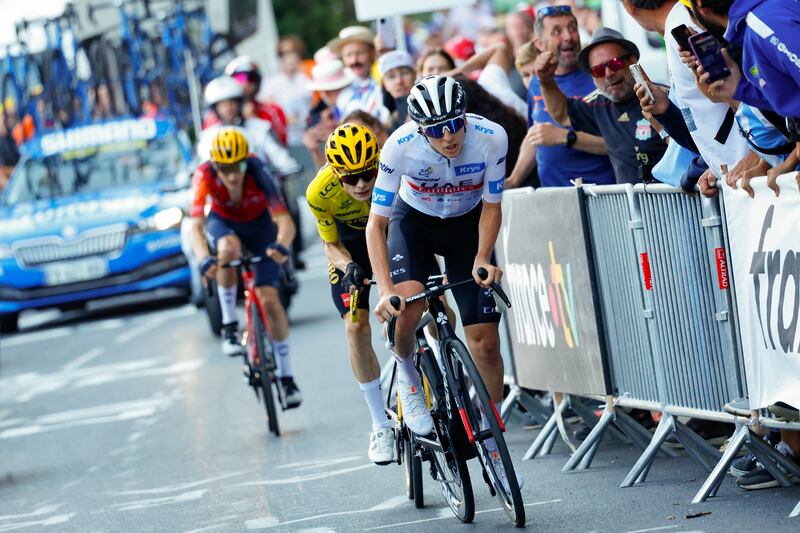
point(572, 138)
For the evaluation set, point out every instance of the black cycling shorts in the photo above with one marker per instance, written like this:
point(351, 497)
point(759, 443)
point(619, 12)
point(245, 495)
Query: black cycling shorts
point(415, 237)
point(255, 236)
point(357, 246)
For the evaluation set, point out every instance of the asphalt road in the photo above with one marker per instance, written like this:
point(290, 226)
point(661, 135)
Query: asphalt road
point(132, 420)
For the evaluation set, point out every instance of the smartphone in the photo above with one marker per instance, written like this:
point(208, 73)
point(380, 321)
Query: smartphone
point(386, 32)
point(681, 35)
point(707, 50)
point(639, 77)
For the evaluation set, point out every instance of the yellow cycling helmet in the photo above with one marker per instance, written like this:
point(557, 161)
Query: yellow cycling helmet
point(229, 146)
point(351, 148)
point(687, 3)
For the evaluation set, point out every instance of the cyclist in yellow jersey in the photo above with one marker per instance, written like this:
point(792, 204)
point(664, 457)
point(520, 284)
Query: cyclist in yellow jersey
point(339, 197)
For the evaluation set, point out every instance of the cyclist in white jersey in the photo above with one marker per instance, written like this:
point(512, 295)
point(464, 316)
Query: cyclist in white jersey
point(440, 180)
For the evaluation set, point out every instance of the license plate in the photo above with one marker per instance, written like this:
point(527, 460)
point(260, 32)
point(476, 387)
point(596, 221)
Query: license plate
point(74, 271)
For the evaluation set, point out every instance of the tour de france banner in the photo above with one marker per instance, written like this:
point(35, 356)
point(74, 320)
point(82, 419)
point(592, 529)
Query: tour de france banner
point(542, 249)
point(764, 234)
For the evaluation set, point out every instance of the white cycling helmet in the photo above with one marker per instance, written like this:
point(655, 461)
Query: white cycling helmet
point(435, 99)
point(221, 89)
point(241, 64)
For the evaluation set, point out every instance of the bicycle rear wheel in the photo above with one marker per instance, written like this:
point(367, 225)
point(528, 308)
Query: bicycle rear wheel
point(510, 495)
point(266, 367)
point(412, 470)
point(449, 467)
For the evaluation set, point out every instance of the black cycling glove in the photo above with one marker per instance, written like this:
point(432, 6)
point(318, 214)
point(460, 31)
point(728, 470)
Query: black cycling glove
point(354, 276)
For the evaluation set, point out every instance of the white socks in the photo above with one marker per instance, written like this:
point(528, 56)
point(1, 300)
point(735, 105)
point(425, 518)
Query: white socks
point(282, 358)
point(406, 370)
point(374, 398)
point(227, 302)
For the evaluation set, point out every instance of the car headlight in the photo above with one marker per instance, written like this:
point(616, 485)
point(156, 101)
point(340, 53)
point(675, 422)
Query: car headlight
point(6, 252)
point(163, 220)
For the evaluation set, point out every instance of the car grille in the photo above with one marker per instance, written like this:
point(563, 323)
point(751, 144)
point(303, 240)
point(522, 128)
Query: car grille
point(53, 248)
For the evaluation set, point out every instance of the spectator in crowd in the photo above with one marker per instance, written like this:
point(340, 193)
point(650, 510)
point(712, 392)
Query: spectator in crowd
point(710, 124)
point(289, 87)
point(519, 31)
point(524, 171)
point(365, 119)
point(9, 153)
point(563, 154)
point(613, 111)
point(246, 72)
point(356, 46)
point(397, 75)
point(329, 79)
point(435, 61)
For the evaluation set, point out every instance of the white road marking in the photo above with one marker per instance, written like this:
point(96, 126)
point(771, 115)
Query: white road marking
point(109, 323)
point(179, 487)
point(308, 477)
point(449, 515)
point(262, 523)
point(653, 529)
point(52, 521)
point(131, 334)
point(320, 463)
point(317, 530)
point(83, 359)
point(158, 502)
point(39, 511)
point(209, 528)
point(101, 414)
point(37, 336)
point(391, 503)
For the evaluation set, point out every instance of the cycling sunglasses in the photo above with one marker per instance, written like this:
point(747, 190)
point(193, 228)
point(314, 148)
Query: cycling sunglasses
point(553, 10)
point(436, 131)
point(366, 175)
point(230, 168)
point(615, 64)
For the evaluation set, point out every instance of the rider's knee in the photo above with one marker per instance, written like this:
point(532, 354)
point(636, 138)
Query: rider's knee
point(357, 329)
point(229, 248)
point(487, 346)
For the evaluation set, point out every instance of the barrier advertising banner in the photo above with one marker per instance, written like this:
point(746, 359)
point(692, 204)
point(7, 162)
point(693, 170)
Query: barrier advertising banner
point(764, 237)
point(554, 329)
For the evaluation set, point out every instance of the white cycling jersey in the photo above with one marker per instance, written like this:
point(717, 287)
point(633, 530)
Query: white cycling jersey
point(435, 185)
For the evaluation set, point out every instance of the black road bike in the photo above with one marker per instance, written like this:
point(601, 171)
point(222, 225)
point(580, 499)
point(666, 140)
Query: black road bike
point(457, 397)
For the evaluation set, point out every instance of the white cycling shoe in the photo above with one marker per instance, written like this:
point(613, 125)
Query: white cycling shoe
point(231, 341)
point(416, 414)
point(381, 446)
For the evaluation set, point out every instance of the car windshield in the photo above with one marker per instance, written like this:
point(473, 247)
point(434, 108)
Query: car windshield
point(95, 169)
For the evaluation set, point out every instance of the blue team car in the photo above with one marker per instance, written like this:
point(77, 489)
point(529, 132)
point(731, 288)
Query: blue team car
point(92, 212)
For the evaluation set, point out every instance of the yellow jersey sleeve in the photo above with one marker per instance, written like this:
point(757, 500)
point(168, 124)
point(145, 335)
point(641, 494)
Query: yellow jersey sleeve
point(318, 195)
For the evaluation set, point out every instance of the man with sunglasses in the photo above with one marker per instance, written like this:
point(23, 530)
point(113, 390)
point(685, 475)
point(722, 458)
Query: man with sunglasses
point(613, 110)
point(246, 211)
point(339, 197)
point(441, 180)
point(563, 154)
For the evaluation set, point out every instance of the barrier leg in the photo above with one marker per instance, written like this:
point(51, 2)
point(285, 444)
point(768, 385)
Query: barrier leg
point(766, 455)
point(544, 434)
point(591, 440)
point(718, 473)
point(665, 426)
point(509, 403)
point(703, 452)
point(638, 434)
point(796, 512)
point(550, 442)
point(590, 418)
point(536, 408)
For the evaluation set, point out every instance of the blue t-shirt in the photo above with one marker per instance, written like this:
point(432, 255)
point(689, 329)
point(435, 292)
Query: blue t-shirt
point(559, 164)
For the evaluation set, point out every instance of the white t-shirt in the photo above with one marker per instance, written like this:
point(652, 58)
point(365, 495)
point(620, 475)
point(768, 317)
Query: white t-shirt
point(703, 117)
point(294, 98)
point(365, 95)
point(435, 185)
point(495, 80)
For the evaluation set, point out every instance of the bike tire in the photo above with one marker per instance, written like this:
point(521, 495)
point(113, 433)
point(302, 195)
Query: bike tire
point(213, 309)
point(463, 505)
point(58, 87)
point(264, 350)
point(131, 89)
point(106, 72)
point(511, 498)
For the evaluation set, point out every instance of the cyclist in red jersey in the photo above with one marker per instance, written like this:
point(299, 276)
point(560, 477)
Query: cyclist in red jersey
point(246, 211)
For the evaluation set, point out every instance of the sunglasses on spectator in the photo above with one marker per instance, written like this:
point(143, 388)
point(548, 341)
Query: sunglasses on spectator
point(366, 175)
point(230, 168)
point(615, 64)
point(553, 10)
point(436, 131)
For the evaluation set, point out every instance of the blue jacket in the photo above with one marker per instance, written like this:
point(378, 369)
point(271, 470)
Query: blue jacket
point(769, 33)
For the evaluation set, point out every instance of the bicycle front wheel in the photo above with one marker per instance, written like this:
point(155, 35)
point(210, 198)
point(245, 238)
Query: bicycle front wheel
point(265, 367)
point(474, 404)
point(449, 467)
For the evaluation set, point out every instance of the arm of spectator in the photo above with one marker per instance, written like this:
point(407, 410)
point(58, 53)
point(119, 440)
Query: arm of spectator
point(526, 162)
point(555, 101)
point(546, 134)
point(498, 54)
point(675, 125)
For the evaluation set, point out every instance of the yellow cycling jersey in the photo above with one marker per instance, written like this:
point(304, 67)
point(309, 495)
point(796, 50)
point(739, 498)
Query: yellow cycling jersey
point(333, 208)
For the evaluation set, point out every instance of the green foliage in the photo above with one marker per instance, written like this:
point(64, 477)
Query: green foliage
point(315, 21)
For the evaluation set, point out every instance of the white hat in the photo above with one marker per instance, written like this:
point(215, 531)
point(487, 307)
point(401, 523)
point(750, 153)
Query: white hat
point(395, 59)
point(352, 34)
point(330, 76)
point(222, 88)
point(324, 54)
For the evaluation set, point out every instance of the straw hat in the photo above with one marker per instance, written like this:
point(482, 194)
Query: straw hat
point(352, 34)
point(330, 76)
